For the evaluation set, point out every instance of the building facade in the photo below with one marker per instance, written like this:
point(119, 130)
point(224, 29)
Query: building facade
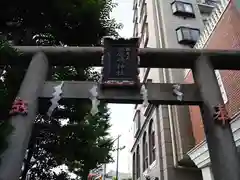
point(163, 134)
point(223, 32)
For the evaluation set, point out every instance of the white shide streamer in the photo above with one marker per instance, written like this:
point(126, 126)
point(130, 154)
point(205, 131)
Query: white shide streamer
point(177, 91)
point(56, 97)
point(95, 101)
point(144, 94)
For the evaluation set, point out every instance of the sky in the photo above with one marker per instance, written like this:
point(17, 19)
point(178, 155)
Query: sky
point(122, 114)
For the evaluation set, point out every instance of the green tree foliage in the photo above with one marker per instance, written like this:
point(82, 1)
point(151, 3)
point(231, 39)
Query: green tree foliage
point(83, 143)
point(72, 22)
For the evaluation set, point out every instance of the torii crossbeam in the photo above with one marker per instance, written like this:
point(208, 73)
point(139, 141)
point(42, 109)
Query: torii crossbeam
point(149, 57)
point(158, 93)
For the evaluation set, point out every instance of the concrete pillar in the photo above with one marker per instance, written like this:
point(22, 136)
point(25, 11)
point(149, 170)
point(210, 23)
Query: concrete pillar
point(31, 87)
point(207, 173)
point(222, 148)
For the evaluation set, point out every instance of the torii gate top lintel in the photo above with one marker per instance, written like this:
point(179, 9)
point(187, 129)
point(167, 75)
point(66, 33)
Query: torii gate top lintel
point(149, 57)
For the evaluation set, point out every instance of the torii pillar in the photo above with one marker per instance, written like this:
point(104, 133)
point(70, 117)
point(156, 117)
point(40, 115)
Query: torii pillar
point(222, 149)
point(31, 88)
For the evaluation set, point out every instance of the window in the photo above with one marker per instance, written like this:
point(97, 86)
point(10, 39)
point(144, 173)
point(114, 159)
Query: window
point(135, 31)
point(152, 145)
point(134, 4)
point(212, 2)
point(134, 167)
point(140, 2)
point(143, 13)
point(205, 21)
point(145, 35)
point(135, 16)
point(182, 9)
point(188, 36)
point(188, 8)
point(145, 152)
point(137, 123)
point(138, 163)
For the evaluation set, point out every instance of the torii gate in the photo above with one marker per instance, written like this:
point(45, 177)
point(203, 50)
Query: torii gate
point(204, 92)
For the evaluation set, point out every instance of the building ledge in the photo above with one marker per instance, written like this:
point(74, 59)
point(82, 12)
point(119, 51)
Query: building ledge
point(200, 154)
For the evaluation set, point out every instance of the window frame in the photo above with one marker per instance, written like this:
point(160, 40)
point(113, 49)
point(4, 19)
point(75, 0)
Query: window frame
point(146, 31)
point(137, 122)
point(151, 139)
point(143, 15)
point(135, 30)
point(138, 157)
point(205, 21)
point(145, 152)
point(178, 12)
point(144, 35)
point(135, 16)
point(187, 40)
point(153, 150)
point(134, 166)
point(146, 156)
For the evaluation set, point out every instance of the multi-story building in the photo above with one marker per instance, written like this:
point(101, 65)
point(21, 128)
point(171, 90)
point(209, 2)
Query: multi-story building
point(163, 134)
point(221, 32)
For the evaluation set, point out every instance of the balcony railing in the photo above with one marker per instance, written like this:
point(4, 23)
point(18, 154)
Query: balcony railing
point(209, 2)
point(212, 23)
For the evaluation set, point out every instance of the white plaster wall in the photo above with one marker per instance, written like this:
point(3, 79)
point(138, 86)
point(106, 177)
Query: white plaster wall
point(171, 22)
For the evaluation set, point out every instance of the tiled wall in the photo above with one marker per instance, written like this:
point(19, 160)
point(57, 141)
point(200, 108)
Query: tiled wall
point(225, 36)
